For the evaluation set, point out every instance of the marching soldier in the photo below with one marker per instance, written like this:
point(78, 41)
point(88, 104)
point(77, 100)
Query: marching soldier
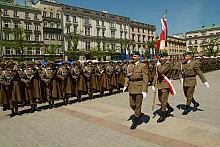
point(137, 84)
point(3, 99)
point(176, 67)
point(104, 80)
point(189, 72)
point(163, 69)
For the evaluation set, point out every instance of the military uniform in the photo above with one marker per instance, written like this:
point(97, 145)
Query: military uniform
point(137, 84)
point(163, 68)
point(189, 72)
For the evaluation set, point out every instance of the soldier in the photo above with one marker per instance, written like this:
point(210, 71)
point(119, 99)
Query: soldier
point(64, 74)
point(11, 80)
point(137, 84)
point(81, 81)
point(32, 89)
point(189, 72)
point(112, 77)
point(52, 86)
point(104, 79)
point(3, 99)
point(163, 69)
point(176, 67)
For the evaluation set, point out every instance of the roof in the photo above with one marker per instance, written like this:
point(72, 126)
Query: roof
point(5, 4)
point(212, 27)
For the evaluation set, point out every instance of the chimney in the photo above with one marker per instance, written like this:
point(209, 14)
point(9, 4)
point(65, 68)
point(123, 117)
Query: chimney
point(213, 25)
point(203, 26)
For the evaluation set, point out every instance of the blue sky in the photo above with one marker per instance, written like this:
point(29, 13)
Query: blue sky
point(183, 15)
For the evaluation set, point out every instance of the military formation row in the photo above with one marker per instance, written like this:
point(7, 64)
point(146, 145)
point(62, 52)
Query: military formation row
point(31, 83)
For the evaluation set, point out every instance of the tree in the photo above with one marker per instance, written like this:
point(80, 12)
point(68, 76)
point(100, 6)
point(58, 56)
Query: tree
point(210, 46)
point(73, 39)
point(126, 43)
point(19, 43)
point(52, 51)
point(193, 50)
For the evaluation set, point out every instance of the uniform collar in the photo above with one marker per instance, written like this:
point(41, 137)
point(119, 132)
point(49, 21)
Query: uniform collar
point(136, 63)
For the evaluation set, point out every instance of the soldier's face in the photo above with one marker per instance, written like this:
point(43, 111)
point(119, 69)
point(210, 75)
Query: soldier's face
point(136, 58)
point(188, 57)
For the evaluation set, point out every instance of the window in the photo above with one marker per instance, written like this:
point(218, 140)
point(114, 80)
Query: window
point(26, 15)
point(112, 25)
point(87, 46)
point(67, 18)
point(98, 32)
point(68, 29)
point(74, 19)
point(143, 37)
point(35, 16)
point(37, 51)
point(103, 23)
point(125, 34)
point(195, 41)
point(6, 24)
point(52, 36)
point(87, 31)
point(28, 38)
point(103, 46)
point(15, 13)
point(113, 46)
point(44, 14)
point(113, 34)
point(121, 26)
point(121, 35)
point(97, 23)
point(15, 25)
point(7, 51)
point(37, 38)
point(143, 30)
point(139, 40)
point(6, 36)
point(98, 46)
point(29, 51)
point(87, 21)
point(36, 27)
point(132, 29)
point(133, 36)
point(51, 15)
point(58, 16)
point(46, 36)
point(103, 33)
point(75, 29)
point(52, 25)
point(138, 30)
point(5, 12)
point(45, 24)
point(18, 52)
point(58, 26)
point(27, 26)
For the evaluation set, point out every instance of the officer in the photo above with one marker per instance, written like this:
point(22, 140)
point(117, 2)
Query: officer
point(137, 84)
point(189, 71)
point(163, 69)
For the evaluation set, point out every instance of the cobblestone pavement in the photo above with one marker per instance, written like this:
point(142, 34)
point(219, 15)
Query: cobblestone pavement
point(104, 122)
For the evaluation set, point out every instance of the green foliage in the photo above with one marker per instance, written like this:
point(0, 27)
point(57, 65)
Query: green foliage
point(52, 51)
point(209, 46)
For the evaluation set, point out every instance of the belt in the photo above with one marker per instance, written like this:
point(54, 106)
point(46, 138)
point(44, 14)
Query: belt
point(135, 80)
point(189, 76)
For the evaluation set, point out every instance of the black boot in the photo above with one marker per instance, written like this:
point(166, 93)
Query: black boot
point(36, 108)
point(79, 98)
point(196, 105)
point(169, 111)
point(50, 105)
point(134, 123)
point(12, 112)
point(185, 112)
point(162, 117)
point(65, 101)
point(32, 109)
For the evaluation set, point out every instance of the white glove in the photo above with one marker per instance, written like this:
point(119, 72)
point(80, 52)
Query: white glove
point(181, 80)
point(124, 89)
point(158, 63)
point(153, 88)
point(144, 94)
point(206, 84)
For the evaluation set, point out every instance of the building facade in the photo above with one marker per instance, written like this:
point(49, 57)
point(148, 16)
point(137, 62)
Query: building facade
point(140, 33)
point(26, 22)
point(176, 45)
point(99, 30)
point(52, 26)
point(47, 25)
point(196, 38)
